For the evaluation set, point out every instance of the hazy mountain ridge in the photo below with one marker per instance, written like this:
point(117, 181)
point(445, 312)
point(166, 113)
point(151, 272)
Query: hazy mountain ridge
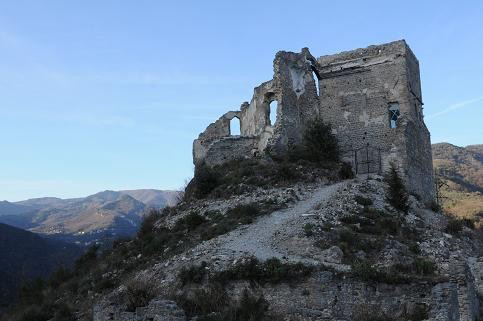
point(461, 170)
point(7, 208)
point(105, 214)
point(154, 198)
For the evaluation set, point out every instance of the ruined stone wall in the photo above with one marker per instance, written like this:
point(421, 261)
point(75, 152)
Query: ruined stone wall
point(356, 90)
point(292, 87)
point(297, 98)
point(419, 168)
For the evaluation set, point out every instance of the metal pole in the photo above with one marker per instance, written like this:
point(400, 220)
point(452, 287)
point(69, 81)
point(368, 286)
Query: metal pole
point(380, 162)
point(357, 164)
point(367, 158)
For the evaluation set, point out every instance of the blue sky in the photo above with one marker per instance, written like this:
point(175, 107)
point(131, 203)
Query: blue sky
point(99, 95)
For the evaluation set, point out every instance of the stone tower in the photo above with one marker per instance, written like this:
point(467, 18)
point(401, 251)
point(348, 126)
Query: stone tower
point(371, 97)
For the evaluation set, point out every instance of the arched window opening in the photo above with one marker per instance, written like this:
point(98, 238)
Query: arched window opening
point(273, 112)
point(235, 127)
point(316, 80)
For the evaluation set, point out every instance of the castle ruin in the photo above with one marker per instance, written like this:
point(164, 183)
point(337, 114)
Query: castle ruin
point(371, 97)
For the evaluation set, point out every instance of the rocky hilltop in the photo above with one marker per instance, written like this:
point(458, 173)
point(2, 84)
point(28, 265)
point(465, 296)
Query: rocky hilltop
point(282, 241)
point(332, 251)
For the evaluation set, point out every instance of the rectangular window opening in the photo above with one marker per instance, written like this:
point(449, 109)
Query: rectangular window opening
point(394, 114)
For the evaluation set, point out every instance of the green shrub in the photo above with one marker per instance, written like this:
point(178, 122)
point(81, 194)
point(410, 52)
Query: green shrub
point(345, 171)
point(363, 200)
point(396, 194)
point(244, 213)
point(319, 144)
point(454, 226)
point(212, 303)
point(249, 308)
point(354, 219)
point(374, 223)
point(271, 271)
point(222, 224)
point(372, 213)
point(103, 284)
point(147, 225)
point(205, 180)
point(418, 313)
point(287, 172)
point(468, 222)
point(414, 247)
point(189, 222)
point(424, 267)
point(347, 236)
point(309, 229)
point(193, 274)
point(390, 225)
point(138, 294)
point(409, 233)
point(366, 272)
point(203, 301)
point(420, 267)
point(434, 206)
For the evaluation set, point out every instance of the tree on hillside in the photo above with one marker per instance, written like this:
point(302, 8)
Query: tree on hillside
point(319, 143)
point(396, 194)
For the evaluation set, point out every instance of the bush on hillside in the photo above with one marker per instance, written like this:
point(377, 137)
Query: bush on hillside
point(455, 225)
point(396, 193)
point(205, 180)
point(147, 225)
point(345, 171)
point(272, 271)
point(319, 144)
point(212, 303)
point(189, 222)
point(138, 294)
point(363, 200)
point(192, 274)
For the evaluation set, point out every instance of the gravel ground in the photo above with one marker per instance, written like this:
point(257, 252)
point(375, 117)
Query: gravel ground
point(257, 238)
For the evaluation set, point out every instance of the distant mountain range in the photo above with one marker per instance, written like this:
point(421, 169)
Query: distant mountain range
point(461, 172)
point(25, 255)
point(107, 214)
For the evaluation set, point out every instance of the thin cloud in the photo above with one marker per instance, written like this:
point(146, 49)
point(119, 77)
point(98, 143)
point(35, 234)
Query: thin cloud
point(455, 107)
point(39, 67)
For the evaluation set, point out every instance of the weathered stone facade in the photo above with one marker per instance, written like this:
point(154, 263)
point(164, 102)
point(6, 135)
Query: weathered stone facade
point(371, 97)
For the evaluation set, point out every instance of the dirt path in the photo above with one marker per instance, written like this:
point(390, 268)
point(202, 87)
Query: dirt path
point(257, 238)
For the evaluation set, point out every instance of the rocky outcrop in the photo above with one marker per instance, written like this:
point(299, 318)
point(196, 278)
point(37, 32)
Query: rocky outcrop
point(156, 310)
point(308, 231)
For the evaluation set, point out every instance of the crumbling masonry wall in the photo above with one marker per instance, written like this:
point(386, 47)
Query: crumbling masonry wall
point(361, 91)
point(357, 90)
point(293, 88)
